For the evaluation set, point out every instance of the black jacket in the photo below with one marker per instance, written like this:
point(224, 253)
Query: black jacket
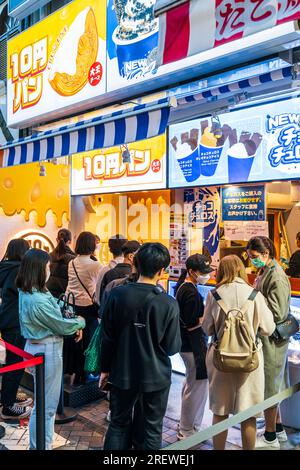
point(58, 280)
point(120, 271)
point(140, 332)
point(9, 308)
point(294, 265)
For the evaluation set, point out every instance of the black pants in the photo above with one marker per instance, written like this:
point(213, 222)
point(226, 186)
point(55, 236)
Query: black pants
point(148, 419)
point(11, 380)
point(73, 353)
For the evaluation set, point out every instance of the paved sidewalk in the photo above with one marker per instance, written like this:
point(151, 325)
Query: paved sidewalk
point(88, 430)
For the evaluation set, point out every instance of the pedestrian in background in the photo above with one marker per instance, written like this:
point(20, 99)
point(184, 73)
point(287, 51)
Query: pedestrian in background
point(274, 284)
point(194, 343)
point(13, 407)
point(43, 327)
point(233, 392)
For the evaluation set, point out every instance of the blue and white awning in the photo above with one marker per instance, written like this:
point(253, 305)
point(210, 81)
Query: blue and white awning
point(121, 127)
point(241, 85)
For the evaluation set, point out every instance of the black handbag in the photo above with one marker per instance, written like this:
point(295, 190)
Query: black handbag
point(284, 330)
point(67, 305)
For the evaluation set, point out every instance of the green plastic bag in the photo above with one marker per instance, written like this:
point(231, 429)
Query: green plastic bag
point(93, 352)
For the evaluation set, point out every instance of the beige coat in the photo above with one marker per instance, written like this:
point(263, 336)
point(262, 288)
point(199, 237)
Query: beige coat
point(230, 393)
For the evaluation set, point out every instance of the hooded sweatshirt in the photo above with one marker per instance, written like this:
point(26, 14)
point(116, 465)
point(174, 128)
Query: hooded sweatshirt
point(9, 308)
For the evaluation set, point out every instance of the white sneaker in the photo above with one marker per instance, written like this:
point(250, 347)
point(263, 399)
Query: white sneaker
point(282, 436)
point(262, 443)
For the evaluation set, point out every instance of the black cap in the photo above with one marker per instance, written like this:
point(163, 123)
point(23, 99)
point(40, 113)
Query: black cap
point(204, 265)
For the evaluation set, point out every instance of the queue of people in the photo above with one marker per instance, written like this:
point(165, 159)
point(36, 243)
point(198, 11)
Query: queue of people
point(142, 327)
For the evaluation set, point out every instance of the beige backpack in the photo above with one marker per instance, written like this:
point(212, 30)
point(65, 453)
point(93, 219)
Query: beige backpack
point(235, 350)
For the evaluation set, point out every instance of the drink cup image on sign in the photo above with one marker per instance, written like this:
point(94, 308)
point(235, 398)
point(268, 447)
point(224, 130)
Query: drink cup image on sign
point(136, 38)
point(71, 60)
point(187, 154)
point(211, 146)
point(241, 156)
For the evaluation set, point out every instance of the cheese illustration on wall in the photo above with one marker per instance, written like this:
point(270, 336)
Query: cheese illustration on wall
point(75, 55)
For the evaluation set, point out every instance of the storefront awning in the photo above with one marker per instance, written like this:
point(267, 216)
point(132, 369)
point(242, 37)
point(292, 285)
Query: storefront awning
point(120, 127)
point(241, 85)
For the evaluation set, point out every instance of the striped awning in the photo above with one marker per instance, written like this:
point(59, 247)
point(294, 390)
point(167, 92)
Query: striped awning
point(241, 85)
point(121, 127)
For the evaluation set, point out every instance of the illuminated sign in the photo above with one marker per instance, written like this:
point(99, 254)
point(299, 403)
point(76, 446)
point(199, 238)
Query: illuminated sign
point(37, 240)
point(261, 143)
point(140, 166)
point(58, 63)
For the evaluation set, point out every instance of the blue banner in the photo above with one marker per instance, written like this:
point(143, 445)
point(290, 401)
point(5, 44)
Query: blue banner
point(243, 203)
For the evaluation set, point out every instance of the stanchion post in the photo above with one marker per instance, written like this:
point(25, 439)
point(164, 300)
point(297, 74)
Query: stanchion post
point(40, 404)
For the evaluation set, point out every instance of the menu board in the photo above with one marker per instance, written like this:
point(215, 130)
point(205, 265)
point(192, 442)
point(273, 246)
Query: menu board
point(261, 143)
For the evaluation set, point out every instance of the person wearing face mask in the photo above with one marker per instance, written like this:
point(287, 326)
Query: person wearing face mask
point(274, 284)
point(43, 327)
point(294, 265)
point(194, 343)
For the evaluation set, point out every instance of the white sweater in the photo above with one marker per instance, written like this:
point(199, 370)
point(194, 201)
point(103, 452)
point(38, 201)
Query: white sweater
point(88, 272)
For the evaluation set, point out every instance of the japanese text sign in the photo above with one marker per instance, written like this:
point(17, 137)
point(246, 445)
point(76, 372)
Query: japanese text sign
point(243, 203)
point(138, 167)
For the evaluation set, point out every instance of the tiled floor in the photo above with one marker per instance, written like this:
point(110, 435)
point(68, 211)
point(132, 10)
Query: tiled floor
point(88, 430)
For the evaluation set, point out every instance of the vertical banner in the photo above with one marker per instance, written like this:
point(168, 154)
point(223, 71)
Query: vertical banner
point(203, 209)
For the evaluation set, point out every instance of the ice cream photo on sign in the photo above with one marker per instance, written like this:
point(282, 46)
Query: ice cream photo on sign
point(211, 146)
point(241, 155)
point(187, 154)
point(135, 38)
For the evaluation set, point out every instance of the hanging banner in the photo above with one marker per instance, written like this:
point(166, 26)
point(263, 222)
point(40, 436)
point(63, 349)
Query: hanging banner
point(261, 143)
point(57, 64)
point(243, 203)
point(220, 22)
point(138, 167)
point(203, 209)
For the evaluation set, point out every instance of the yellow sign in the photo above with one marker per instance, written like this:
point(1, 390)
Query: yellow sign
point(58, 63)
point(22, 190)
point(137, 167)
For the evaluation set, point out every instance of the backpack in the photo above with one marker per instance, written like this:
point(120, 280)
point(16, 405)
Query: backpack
point(235, 350)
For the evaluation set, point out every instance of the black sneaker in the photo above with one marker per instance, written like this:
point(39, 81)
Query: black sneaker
point(15, 412)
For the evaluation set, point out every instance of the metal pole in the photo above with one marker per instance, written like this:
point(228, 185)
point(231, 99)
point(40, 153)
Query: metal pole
point(40, 404)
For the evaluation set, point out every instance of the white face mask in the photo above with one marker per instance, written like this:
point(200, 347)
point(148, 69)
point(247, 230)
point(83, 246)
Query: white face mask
point(203, 278)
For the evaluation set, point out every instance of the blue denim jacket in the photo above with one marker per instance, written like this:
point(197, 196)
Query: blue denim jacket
point(40, 316)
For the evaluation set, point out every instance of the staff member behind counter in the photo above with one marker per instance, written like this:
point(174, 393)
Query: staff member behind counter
point(294, 265)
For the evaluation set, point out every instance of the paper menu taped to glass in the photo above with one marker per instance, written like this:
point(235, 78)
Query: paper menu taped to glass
point(245, 230)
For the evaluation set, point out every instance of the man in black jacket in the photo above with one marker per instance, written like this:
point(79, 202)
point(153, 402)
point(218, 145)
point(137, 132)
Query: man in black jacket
point(121, 270)
point(140, 332)
point(294, 264)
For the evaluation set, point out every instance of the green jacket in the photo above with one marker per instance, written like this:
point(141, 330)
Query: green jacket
point(40, 317)
point(276, 288)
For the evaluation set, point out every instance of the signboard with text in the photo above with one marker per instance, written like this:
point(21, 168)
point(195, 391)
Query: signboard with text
point(57, 63)
point(261, 143)
point(243, 203)
point(139, 167)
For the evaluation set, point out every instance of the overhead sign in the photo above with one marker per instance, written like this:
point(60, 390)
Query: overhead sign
point(243, 203)
point(21, 8)
point(57, 64)
point(140, 166)
point(261, 143)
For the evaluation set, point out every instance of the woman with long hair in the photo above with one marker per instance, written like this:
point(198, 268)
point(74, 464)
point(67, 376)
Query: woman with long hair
point(194, 343)
point(233, 392)
point(43, 327)
point(83, 274)
point(59, 261)
point(274, 284)
point(13, 407)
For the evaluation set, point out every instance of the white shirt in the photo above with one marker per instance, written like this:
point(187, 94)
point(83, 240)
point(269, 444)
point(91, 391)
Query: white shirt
point(88, 272)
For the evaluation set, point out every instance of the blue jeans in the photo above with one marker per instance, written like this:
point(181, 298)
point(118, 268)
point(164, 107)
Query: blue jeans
point(52, 348)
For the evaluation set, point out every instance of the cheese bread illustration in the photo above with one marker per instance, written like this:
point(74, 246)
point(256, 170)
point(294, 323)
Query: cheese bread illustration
point(75, 55)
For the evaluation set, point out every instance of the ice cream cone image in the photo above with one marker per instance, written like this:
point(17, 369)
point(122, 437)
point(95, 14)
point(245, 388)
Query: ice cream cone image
point(210, 149)
point(75, 55)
